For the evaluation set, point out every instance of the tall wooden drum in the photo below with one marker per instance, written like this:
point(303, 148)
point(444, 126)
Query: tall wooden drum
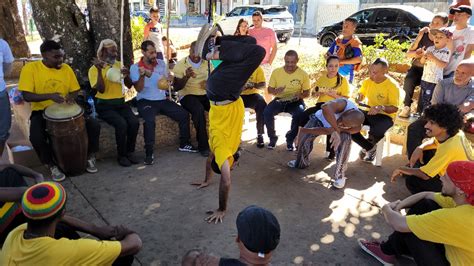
point(65, 125)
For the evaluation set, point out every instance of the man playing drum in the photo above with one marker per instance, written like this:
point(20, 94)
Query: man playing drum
point(105, 77)
point(44, 83)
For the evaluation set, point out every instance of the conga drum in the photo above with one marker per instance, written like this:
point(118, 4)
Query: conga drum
point(66, 127)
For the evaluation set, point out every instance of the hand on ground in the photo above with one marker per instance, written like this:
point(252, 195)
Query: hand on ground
point(200, 184)
point(216, 217)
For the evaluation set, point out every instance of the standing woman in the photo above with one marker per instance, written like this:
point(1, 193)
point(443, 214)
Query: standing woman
point(331, 85)
point(242, 28)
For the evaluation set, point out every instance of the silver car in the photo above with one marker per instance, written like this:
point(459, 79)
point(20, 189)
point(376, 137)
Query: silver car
point(275, 17)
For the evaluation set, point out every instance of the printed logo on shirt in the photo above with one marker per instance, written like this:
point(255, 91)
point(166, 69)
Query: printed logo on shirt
point(380, 97)
point(154, 29)
point(53, 85)
point(296, 83)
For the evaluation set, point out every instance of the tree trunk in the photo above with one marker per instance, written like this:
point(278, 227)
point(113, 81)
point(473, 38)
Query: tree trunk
point(25, 16)
point(63, 22)
point(11, 28)
point(104, 19)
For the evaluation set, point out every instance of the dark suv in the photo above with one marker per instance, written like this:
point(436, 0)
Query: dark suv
point(396, 22)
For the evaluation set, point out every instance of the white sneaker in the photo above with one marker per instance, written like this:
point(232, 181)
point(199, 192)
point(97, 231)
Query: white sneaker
point(56, 174)
point(291, 164)
point(91, 168)
point(405, 113)
point(339, 183)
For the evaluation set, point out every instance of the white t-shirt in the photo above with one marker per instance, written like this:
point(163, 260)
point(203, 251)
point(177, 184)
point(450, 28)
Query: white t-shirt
point(461, 39)
point(6, 56)
point(432, 73)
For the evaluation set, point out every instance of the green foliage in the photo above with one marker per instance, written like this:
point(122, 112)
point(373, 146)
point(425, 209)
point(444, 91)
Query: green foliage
point(392, 50)
point(137, 26)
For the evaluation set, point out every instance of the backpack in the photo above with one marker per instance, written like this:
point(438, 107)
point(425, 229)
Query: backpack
point(345, 50)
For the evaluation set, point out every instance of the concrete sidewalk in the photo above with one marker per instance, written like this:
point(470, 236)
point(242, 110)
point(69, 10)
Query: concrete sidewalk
point(319, 225)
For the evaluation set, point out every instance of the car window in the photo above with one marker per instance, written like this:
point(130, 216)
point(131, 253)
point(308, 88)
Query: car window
point(364, 16)
point(248, 11)
point(386, 15)
point(275, 10)
point(236, 12)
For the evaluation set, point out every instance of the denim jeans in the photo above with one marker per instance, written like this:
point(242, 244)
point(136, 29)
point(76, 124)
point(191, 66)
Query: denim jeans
point(5, 117)
point(257, 103)
point(295, 108)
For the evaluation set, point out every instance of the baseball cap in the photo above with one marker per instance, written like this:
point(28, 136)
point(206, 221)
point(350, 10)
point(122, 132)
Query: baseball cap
point(462, 175)
point(460, 9)
point(258, 230)
point(444, 31)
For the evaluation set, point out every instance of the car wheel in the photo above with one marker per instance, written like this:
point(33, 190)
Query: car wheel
point(327, 39)
point(283, 39)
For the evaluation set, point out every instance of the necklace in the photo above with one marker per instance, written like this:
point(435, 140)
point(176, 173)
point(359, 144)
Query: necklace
point(30, 235)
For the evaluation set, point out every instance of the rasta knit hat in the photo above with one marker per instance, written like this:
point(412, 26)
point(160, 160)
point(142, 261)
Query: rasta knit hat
point(258, 229)
point(462, 175)
point(43, 200)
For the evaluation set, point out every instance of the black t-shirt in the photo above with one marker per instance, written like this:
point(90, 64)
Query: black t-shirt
point(220, 89)
point(426, 42)
point(230, 262)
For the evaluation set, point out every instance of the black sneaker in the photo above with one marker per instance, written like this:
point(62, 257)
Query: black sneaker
point(124, 161)
point(133, 158)
point(149, 159)
point(290, 147)
point(260, 143)
point(272, 143)
point(370, 156)
point(204, 153)
point(362, 154)
point(202, 43)
point(187, 148)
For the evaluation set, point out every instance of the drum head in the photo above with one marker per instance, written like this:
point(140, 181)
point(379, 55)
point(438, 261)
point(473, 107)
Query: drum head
point(60, 111)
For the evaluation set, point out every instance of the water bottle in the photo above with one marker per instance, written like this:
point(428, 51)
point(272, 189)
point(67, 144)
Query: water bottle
point(90, 101)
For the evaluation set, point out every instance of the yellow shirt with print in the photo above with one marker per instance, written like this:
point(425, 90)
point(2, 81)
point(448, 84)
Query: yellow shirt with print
point(37, 78)
point(384, 93)
point(194, 86)
point(258, 76)
point(326, 84)
point(113, 90)
point(452, 226)
point(49, 251)
point(456, 148)
point(294, 83)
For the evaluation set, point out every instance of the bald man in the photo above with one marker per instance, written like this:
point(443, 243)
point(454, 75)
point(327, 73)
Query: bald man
point(339, 118)
point(458, 90)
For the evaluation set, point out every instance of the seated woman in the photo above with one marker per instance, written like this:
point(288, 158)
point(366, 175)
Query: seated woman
point(331, 85)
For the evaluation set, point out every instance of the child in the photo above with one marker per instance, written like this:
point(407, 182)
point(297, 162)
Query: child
point(413, 77)
point(154, 32)
point(435, 59)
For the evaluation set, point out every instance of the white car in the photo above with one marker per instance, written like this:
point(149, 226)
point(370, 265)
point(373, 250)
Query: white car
point(275, 17)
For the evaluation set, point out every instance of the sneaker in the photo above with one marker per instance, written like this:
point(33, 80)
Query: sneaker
point(290, 147)
point(91, 168)
point(124, 161)
point(405, 112)
point(56, 174)
point(292, 164)
point(272, 143)
point(204, 153)
point(339, 183)
point(204, 29)
point(362, 154)
point(203, 39)
point(260, 143)
point(373, 248)
point(187, 148)
point(133, 158)
point(370, 155)
point(149, 159)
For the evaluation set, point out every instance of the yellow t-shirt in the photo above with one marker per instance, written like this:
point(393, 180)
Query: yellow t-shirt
point(294, 83)
point(225, 130)
point(194, 86)
point(37, 78)
point(258, 76)
point(452, 226)
point(456, 148)
point(326, 84)
point(384, 93)
point(49, 251)
point(113, 90)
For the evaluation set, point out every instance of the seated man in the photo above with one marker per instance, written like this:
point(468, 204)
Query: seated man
point(44, 83)
point(190, 82)
point(443, 126)
point(6, 62)
point(240, 57)
point(458, 90)
point(380, 95)
point(438, 228)
point(152, 101)
point(111, 106)
point(36, 242)
point(290, 85)
point(339, 118)
point(12, 187)
point(258, 235)
point(252, 99)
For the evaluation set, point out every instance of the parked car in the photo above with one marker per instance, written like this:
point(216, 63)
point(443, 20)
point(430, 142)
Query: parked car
point(396, 22)
point(274, 16)
point(140, 13)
